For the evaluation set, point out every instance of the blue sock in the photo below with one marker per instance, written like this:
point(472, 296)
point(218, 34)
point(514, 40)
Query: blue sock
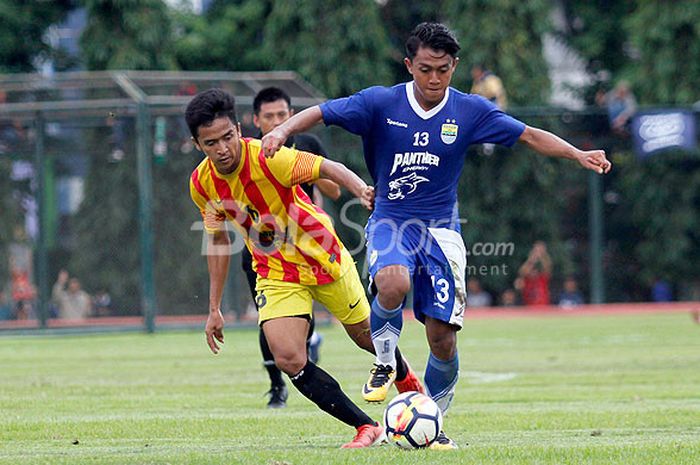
point(440, 380)
point(386, 327)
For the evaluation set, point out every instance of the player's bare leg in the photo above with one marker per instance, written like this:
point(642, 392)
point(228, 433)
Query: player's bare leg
point(287, 339)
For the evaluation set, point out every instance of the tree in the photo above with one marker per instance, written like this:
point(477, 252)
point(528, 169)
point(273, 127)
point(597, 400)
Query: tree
point(22, 28)
point(328, 43)
point(106, 253)
point(506, 36)
point(399, 18)
point(594, 29)
point(666, 40)
point(227, 37)
point(127, 34)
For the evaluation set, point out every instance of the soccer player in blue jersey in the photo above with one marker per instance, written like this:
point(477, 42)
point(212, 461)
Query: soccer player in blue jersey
point(415, 136)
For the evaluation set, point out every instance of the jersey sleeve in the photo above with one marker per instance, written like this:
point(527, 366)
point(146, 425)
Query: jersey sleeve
point(493, 126)
point(212, 217)
point(354, 113)
point(291, 167)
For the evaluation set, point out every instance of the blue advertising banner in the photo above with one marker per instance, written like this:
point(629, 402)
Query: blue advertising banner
point(663, 129)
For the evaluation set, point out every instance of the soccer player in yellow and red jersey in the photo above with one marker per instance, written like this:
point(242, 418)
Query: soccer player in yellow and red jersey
point(296, 252)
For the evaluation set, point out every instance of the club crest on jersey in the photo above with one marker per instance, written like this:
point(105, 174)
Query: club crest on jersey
point(448, 133)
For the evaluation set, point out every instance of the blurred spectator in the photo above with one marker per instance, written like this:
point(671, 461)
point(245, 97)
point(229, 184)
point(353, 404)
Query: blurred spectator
point(509, 298)
point(12, 132)
point(621, 106)
point(476, 295)
point(24, 310)
point(661, 291)
point(117, 139)
point(535, 275)
point(488, 85)
point(73, 303)
point(102, 302)
point(570, 296)
point(23, 291)
point(5, 307)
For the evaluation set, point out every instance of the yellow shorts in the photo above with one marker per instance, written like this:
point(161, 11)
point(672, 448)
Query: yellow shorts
point(344, 298)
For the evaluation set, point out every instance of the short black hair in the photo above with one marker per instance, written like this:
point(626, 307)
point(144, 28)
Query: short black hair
point(269, 95)
point(207, 106)
point(432, 35)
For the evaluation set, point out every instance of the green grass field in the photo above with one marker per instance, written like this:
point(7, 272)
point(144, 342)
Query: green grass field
point(534, 390)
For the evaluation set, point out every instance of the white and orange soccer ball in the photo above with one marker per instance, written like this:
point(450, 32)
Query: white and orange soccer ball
point(412, 420)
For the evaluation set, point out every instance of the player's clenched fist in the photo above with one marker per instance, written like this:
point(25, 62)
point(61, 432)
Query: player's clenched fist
point(367, 198)
point(272, 142)
point(595, 160)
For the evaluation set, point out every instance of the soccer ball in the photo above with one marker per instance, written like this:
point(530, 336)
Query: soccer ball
point(412, 420)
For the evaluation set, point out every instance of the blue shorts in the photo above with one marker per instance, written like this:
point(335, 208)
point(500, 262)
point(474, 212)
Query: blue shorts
point(436, 259)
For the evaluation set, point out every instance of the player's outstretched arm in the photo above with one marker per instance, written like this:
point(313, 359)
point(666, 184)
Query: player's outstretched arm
point(340, 174)
point(551, 145)
point(218, 259)
point(300, 122)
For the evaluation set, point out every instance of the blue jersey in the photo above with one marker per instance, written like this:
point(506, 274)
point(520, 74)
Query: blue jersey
point(415, 157)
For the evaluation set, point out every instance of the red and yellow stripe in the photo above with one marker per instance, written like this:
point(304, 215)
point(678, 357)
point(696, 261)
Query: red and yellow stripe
point(256, 198)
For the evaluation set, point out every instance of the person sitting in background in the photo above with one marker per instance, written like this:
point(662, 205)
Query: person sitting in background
point(489, 86)
point(5, 307)
point(509, 298)
point(661, 291)
point(620, 104)
point(535, 274)
point(570, 296)
point(73, 302)
point(476, 295)
point(102, 302)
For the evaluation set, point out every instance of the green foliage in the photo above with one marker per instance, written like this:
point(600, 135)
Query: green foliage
point(328, 43)
point(594, 29)
point(315, 37)
point(127, 34)
point(398, 19)
point(507, 37)
point(228, 37)
point(180, 289)
point(655, 45)
point(22, 28)
point(666, 36)
point(106, 228)
point(656, 220)
point(516, 197)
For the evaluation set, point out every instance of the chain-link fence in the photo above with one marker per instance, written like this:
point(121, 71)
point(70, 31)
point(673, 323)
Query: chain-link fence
point(98, 229)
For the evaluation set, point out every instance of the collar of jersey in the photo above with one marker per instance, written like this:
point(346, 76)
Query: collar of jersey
point(416, 106)
point(234, 173)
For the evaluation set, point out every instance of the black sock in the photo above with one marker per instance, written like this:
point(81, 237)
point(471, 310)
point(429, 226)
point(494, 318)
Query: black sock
point(321, 389)
point(401, 368)
point(273, 372)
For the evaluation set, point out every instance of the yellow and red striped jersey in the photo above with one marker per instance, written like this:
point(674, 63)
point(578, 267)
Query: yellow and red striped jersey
point(290, 238)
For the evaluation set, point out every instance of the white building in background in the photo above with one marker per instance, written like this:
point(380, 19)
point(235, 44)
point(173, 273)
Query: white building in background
point(567, 70)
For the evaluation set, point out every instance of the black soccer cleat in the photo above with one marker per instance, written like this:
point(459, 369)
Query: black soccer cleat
point(278, 396)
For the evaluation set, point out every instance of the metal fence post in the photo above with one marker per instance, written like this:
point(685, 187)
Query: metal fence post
point(145, 177)
point(40, 198)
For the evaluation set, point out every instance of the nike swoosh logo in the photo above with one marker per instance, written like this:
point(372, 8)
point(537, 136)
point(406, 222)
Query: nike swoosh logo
point(365, 390)
point(355, 304)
